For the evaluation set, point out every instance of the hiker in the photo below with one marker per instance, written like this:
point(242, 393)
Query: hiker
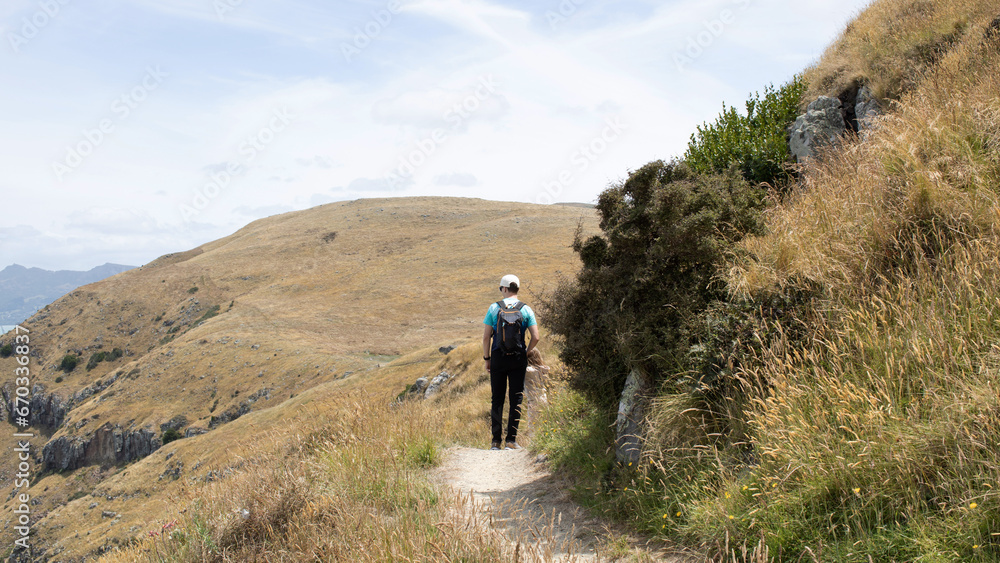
point(506, 356)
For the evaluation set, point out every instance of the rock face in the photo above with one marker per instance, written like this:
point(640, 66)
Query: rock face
point(827, 119)
point(47, 410)
point(866, 108)
point(108, 445)
point(822, 124)
point(631, 411)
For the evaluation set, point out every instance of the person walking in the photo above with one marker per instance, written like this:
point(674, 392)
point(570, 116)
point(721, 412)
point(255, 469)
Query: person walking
point(506, 356)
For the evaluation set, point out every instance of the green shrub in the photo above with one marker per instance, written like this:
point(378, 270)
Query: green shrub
point(756, 143)
point(193, 290)
point(7, 350)
point(171, 435)
point(95, 359)
point(69, 363)
point(645, 281)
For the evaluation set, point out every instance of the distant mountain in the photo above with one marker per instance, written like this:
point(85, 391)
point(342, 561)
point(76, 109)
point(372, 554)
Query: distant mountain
point(25, 290)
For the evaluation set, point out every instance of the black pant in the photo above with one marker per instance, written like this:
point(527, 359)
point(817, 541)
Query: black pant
point(503, 369)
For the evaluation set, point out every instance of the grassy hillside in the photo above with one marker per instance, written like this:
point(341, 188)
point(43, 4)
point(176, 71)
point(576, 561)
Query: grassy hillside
point(857, 415)
point(255, 338)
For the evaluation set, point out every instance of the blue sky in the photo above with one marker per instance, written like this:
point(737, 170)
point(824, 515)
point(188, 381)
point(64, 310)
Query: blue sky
point(135, 129)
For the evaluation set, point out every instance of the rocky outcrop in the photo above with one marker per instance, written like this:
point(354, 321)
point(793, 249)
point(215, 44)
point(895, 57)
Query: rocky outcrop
point(48, 410)
point(822, 124)
point(866, 109)
point(437, 383)
point(175, 423)
point(234, 412)
point(827, 119)
point(631, 412)
point(108, 445)
point(424, 388)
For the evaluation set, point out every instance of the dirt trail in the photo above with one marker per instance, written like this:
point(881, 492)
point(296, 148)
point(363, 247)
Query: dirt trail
point(528, 505)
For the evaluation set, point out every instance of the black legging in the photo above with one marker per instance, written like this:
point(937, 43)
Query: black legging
point(502, 369)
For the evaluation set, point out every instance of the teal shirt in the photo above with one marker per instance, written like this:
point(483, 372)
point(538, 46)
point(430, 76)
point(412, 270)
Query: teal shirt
point(527, 315)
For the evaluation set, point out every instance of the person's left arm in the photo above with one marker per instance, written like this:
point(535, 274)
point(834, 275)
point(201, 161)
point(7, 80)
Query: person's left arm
point(533, 332)
point(532, 329)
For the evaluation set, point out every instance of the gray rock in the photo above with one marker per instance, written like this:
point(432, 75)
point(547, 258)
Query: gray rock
point(446, 349)
point(822, 124)
point(108, 445)
point(48, 410)
point(631, 411)
point(436, 384)
point(418, 387)
point(867, 108)
point(194, 431)
point(175, 423)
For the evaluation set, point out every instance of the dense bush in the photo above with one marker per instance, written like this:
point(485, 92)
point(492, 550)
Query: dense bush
point(756, 143)
point(171, 435)
point(636, 301)
point(7, 350)
point(69, 362)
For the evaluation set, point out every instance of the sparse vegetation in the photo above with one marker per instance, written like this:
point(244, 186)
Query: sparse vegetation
point(211, 312)
point(99, 357)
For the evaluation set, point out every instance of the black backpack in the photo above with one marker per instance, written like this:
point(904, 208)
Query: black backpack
point(510, 332)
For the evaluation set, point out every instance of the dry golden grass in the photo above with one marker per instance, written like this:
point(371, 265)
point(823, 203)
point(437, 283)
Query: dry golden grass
point(925, 178)
point(877, 436)
point(346, 485)
point(892, 44)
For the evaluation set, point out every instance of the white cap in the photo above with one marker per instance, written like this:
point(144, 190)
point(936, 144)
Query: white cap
point(510, 279)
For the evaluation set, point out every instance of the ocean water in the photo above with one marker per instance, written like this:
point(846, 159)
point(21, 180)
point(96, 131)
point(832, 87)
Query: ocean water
point(5, 328)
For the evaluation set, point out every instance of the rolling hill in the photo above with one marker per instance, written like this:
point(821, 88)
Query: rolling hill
point(232, 340)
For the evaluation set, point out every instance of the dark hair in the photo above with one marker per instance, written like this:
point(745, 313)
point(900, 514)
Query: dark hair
point(512, 287)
